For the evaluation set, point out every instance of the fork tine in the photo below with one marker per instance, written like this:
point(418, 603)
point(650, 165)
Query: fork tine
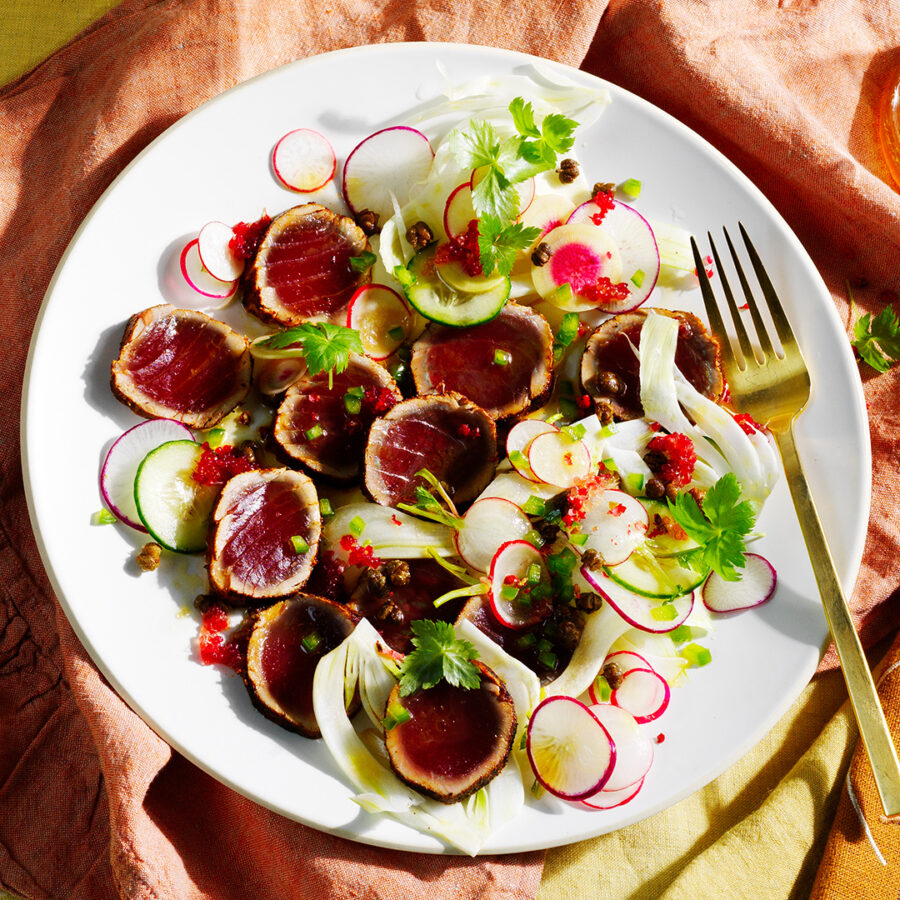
point(782, 326)
point(762, 334)
point(743, 338)
point(712, 308)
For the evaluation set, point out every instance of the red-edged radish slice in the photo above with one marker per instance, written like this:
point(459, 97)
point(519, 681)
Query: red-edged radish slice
point(625, 661)
point(303, 160)
point(201, 280)
point(580, 255)
point(615, 524)
point(611, 799)
point(458, 210)
point(638, 251)
point(524, 432)
point(757, 584)
point(635, 609)
point(510, 567)
point(486, 526)
point(570, 751)
point(388, 162)
point(122, 461)
point(381, 317)
point(275, 376)
point(215, 253)
point(547, 211)
point(634, 750)
point(642, 692)
point(555, 458)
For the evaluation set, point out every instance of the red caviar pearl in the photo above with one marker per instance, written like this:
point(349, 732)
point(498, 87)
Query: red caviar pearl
point(681, 457)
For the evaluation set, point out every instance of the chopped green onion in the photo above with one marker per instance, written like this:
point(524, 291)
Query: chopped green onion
point(568, 331)
point(562, 295)
point(534, 574)
point(568, 408)
point(548, 659)
point(356, 391)
point(502, 357)
point(397, 370)
point(534, 538)
point(357, 526)
point(695, 654)
point(517, 458)
point(602, 689)
point(638, 278)
point(315, 432)
point(554, 418)
point(299, 544)
point(311, 641)
point(509, 592)
point(579, 540)
point(527, 640)
point(562, 563)
point(664, 613)
point(103, 517)
point(610, 464)
point(544, 645)
point(396, 333)
point(325, 508)
point(634, 482)
point(214, 437)
point(396, 715)
point(352, 404)
point(534, 506)
point(680, 634)
point(631, 187)
point(575, 432)
point(404, 276)
point(363, 262)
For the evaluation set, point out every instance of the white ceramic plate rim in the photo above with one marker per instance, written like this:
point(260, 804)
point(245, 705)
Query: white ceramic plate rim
point(546, 824)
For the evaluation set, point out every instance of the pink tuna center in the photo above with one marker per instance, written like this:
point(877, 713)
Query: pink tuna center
point(576, 264)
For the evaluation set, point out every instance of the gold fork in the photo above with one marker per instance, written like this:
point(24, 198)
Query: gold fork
point(774, 390)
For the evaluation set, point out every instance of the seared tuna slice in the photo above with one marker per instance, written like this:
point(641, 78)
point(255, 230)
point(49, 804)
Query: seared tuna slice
point(286, 642)
point(503, 365)
point(265, 535)
point(445, 433)
point(181, 364)
point(610, 371)
point(456, 739)
point(325, 428)
point(302, 269)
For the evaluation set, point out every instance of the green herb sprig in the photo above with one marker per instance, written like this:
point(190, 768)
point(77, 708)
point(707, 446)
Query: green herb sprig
point(439, 654)
point(325, 347)
point(877, 341)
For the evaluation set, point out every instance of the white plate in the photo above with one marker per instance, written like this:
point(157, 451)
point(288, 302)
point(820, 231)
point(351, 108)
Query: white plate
point(213, 164)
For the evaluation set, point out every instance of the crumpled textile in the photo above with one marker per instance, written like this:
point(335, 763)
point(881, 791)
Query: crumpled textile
point(92, 803)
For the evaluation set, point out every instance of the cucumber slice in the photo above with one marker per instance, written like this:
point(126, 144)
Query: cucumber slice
point(456, 278)
point(440, 303)
point(175, 509)
point(665, 544)
point(662, 578)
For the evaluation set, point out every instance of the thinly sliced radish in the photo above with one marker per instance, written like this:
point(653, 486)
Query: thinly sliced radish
point(580, 255)
point(555, 458)
point(625, 661)
point(524, 432)
point(547, 211)
point(385, 164)
point(458, 210)
point(635, 609)
point(215, 253)
point(615, 524)
point(201, 280)
point(274, 376)
point(634, 750)
point(381, 317)
point(638, 250)
point(570, 751)
point(510, 567)
point(304, 161)
point(124, 457)
point(611, 799)
point(642, 692)
point(486, 526)
point(757, 584)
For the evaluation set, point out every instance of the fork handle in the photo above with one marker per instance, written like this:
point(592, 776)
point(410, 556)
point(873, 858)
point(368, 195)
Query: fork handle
point(872, 725)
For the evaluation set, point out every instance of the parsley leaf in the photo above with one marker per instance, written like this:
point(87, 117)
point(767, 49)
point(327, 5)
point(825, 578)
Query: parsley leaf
point(523, 118)
point(878, 340)
point(438, 654)
point(326, 347)
point(498, 244)
point(554, 136)
point(720, 527)
point(480, 147)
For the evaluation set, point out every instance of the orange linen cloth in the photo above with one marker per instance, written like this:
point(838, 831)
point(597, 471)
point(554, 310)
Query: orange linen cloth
point(92, 803)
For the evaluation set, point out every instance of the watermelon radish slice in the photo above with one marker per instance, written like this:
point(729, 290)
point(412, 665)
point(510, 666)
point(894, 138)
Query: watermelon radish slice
point(570, 751)
point(638, 250)
point(615, 524)
point(215, 253)
point(611, 799)
point(199, 278)
point(548, 211)
point(510, 567)
point(634, 750)
point(757, 585)
point(635, 609)
point(642, 692)
point(381, 317)
point(124, 457)
point(556, 459)
point(303, 160)
point(487, 524)
point(386, 164)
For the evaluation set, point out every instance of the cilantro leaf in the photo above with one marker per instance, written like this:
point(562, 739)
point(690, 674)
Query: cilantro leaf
point(556, 135)
point(438, 654)
point(720, 527)
point(498, 244)
point(326, 347)
point(878, 340)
